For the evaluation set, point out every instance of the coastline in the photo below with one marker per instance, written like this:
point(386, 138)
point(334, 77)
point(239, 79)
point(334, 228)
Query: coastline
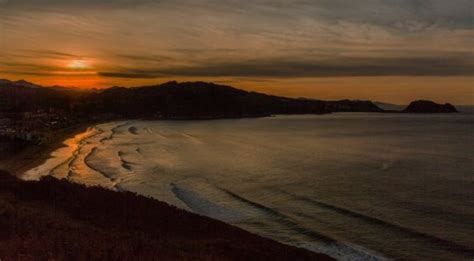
point(36, 155)
point(19, 163)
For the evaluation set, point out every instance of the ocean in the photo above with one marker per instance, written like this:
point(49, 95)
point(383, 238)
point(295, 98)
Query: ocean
point(357, 186)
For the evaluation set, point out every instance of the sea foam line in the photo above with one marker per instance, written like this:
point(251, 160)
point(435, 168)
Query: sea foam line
point(57, 160)
point(443, 243)
point(325, 244)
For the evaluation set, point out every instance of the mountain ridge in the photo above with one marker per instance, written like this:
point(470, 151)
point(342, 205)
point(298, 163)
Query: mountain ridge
point(177, 100)
point(174, 100)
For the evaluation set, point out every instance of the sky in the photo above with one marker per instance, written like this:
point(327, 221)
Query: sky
point(385, 50)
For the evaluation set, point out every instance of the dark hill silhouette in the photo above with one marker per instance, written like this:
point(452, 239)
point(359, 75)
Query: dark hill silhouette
point(22, 99)
point(188, 100)
point(200, 100)
point(352, 106)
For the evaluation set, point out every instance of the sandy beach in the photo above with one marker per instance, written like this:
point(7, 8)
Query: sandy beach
point(38, 154)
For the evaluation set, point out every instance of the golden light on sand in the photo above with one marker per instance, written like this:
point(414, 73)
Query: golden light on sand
point(78, 64)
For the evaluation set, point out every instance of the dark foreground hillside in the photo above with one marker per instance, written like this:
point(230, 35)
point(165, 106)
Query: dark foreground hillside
point(58, 220)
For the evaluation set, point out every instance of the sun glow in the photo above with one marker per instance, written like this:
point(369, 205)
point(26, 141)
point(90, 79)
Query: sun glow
point(78, 64)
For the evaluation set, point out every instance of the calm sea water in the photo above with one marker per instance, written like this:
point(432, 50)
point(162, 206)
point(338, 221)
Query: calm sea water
point(355, 186)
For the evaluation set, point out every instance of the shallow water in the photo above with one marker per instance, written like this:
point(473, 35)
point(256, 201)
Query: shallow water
point(355, 186)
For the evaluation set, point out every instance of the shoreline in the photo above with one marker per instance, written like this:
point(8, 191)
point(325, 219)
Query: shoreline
point(37, 155)
point(29, 158)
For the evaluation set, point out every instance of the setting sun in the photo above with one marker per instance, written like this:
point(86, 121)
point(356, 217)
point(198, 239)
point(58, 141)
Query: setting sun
point(78, 64)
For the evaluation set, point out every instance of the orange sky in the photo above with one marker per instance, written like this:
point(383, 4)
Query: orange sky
point(379, 50)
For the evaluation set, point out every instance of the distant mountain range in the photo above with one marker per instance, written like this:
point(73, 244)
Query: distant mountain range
point(20, 83)
point(23, 83)
point(172, 100)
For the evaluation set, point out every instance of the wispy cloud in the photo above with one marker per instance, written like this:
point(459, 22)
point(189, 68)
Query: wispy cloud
point(132, 74)
point(400, 66)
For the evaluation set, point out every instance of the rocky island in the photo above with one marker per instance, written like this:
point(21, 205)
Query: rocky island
point(423, 106)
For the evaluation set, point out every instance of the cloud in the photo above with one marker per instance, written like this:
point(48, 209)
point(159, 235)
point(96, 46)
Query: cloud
point(275, 68)
point(72, 3)
point(132, 74)
point(389, 13)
